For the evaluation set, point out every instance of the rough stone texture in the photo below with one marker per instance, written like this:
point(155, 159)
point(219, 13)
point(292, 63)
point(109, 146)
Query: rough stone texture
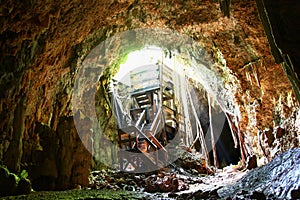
point(276, 140)
point(74, 161)
point(279, 179)
point(43, 43)
point(61, 161)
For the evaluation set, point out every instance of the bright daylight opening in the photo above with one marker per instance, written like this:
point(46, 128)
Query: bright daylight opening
point(150, 55)
point(157, 109)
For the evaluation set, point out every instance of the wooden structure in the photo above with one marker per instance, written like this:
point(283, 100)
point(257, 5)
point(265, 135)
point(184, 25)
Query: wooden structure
point(154, 117)
point(151, 111)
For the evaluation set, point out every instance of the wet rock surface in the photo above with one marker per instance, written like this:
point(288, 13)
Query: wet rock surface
point(280, 179)
point(162, 181)
point(277, 180)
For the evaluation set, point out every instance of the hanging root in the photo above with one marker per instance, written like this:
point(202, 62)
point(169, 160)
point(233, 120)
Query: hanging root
point(213, 143)
point(200, 133)
point(233, 130)
point(242, 143)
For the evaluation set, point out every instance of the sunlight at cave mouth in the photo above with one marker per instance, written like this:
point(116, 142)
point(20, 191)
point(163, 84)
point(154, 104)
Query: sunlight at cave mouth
point(152, 80)
point(150, 55)
point(198, 92)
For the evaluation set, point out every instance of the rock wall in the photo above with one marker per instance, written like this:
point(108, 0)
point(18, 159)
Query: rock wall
point(43, 43)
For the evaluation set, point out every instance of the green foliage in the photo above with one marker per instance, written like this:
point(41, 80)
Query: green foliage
point(17, 178)
point(24, 174)
point(4, 172)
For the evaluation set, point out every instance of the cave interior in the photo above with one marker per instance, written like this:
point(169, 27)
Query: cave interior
point(140, 99)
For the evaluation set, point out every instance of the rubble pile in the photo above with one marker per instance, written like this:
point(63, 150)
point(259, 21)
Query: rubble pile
point(162, 181)
point(174, 178)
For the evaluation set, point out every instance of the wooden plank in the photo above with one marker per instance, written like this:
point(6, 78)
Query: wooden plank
point(142, 97)
point(168, 76)
point(157, 143)
point(128, 129)
point(169, 110)
point(144, 90)
point(140, 119)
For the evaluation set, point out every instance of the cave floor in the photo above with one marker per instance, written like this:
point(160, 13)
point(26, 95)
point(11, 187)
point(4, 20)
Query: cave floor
point(204, 184)
point(78, 194)
point(221, 178)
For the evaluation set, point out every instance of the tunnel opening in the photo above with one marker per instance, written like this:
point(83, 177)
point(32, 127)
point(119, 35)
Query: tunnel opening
point(227, 153)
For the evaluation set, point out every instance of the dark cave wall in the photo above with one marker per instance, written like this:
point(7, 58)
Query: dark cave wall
point(282, 30)
point(43, 43)
point(283, 17)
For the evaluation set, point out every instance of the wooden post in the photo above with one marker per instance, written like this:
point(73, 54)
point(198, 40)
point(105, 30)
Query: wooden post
point(161, 104)
point(213, 143)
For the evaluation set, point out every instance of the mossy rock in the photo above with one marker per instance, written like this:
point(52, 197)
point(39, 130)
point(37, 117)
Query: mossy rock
point(8, 182)
point(11, 184)
point(103, 194)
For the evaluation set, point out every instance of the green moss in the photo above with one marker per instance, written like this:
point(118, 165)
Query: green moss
point(4, 172)
point(80, 194)
point(218, 56)
point(12, 184)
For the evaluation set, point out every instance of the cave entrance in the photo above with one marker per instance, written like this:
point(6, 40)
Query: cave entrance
point(204, 95)
point(159, 107)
